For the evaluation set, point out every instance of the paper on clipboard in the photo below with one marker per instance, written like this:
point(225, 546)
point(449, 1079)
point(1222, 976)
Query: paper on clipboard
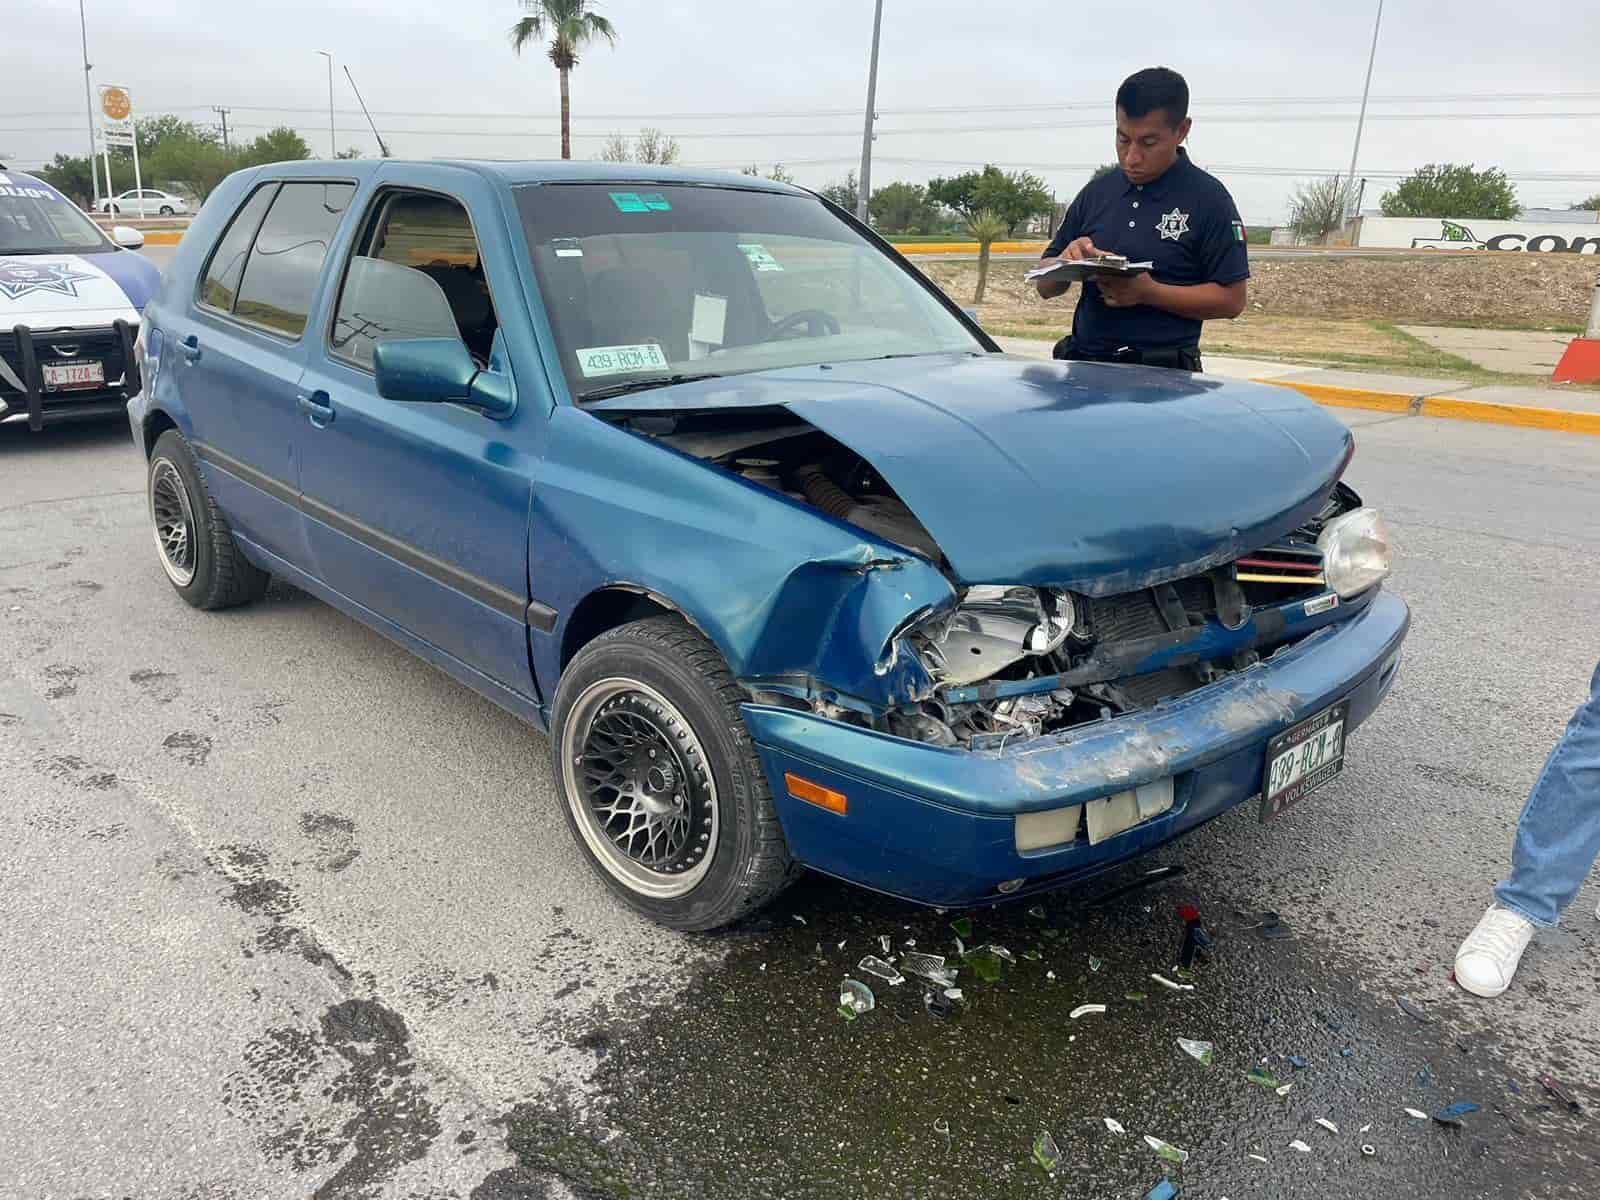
point(1089, 268)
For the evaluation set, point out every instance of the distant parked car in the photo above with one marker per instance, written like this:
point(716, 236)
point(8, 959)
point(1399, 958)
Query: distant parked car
point(794, 565)
point(146, 202)
point(70, 303)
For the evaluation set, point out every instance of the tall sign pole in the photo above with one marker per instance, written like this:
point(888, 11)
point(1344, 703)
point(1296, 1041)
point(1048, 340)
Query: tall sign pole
point(88, 104)
point(1350, 184)
point(865, 186)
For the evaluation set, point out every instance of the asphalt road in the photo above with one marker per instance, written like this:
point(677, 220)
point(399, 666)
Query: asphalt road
point(284, 911)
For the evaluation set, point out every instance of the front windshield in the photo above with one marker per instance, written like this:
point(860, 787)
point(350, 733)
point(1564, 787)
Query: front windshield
point(34, 221)
point(645, 285)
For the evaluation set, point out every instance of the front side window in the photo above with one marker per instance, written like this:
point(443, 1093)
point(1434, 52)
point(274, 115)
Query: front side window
point(648, 284)
point(36, 221)
point(414, 272)
point(281, 272)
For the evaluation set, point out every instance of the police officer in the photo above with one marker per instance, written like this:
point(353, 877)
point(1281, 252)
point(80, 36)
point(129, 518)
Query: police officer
point(1158, 207)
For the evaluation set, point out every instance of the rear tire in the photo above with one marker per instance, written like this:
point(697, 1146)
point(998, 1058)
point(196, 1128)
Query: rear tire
point(659, 780)
point(193, 542)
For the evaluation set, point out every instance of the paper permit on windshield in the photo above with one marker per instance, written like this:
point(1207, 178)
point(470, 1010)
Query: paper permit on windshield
point(596, 362)
point(760, 257)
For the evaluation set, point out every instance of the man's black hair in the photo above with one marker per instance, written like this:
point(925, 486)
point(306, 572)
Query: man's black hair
point(1143, 92)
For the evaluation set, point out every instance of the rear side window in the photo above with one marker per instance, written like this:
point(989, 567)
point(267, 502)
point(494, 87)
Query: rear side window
point(221, 286)
point(280, 276)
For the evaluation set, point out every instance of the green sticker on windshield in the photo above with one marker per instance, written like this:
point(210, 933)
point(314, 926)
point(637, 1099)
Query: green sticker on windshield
point(759, 257)
point(656, 202)
point(629, 202)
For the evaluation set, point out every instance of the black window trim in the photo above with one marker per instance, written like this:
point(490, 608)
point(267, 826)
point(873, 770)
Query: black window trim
point(381, 198)
point(233, 318)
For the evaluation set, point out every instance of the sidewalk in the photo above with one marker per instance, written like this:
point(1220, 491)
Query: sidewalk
point(1568, 410)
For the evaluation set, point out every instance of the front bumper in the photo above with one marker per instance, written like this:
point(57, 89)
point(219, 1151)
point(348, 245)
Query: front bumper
point(24, 350)
point(936, 825)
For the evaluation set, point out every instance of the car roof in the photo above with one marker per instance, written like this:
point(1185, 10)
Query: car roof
point(23, 179)
point(534, 171)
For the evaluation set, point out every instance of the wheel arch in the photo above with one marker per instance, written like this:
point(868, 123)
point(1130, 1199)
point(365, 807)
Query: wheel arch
point(156, 422)
point(616, 604)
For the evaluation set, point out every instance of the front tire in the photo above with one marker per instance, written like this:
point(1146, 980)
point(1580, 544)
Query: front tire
point(166, 210)
point(659, 780)
point(195, 546)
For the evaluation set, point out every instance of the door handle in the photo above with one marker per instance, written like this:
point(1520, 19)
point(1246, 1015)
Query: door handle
point(318, 406)
point(191, 348)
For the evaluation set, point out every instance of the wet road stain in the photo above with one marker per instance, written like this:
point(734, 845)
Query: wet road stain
point(192, 748)
point(107, 833)
point(254, 891)
point(71, 769)
point(61, 676)
point(753, 1085)
point(9, 719)
point(373, 1115)
point(334, 838)
point(159, 686)
point(87, 585)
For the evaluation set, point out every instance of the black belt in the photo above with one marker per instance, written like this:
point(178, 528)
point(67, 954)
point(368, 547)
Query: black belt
point(1180, 358)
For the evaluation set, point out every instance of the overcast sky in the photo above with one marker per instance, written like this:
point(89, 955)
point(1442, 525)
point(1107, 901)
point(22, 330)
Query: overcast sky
point(740, 61)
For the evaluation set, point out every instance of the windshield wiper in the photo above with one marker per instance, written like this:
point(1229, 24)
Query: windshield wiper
point(643, 385)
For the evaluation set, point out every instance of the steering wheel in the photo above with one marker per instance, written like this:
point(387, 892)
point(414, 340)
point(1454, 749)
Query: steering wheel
point(817, 323)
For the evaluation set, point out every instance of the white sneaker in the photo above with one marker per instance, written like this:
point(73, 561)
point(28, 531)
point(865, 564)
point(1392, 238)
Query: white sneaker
point(1488, 959)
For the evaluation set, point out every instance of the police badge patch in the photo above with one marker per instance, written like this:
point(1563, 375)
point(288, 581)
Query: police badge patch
point(19, 279)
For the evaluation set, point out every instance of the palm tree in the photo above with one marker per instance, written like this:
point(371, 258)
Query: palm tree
point(987, 226)
point(570, 25)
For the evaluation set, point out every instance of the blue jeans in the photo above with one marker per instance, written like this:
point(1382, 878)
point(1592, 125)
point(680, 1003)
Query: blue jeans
point(1558, 835)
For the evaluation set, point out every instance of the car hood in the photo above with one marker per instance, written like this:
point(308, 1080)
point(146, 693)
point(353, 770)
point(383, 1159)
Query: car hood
point(1095, 477)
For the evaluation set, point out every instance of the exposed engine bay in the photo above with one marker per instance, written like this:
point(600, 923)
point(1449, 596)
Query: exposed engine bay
point(1010, 662)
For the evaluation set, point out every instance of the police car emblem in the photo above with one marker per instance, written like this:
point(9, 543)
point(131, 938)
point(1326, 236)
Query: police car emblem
point(1173, 224)
point(19, 279)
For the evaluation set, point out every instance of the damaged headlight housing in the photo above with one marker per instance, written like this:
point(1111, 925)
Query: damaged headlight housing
point(993, 627)
point(1355, 551)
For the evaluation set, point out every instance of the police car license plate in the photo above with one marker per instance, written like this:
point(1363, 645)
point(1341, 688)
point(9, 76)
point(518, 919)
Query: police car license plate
point(1302, 759)
point(71, 376)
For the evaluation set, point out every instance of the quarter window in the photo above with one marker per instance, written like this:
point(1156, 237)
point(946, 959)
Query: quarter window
point(221, 285)
point(281, 273)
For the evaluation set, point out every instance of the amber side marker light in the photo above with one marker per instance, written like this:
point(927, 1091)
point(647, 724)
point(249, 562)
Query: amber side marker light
point(815, 793)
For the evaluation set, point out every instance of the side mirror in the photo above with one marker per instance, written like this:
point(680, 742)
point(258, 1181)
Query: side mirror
point(438, 370)
point(127, 237)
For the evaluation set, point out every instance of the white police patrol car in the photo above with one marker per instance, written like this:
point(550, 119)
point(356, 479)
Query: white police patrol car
point(70, 300)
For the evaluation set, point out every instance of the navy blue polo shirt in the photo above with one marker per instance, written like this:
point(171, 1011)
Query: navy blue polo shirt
point(1185, 222)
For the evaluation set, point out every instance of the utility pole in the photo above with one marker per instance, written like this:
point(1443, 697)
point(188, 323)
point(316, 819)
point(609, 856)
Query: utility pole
point(333, 144)
point(865, 186)
point(1350, 184)
point(88, 104)
point(223, 113)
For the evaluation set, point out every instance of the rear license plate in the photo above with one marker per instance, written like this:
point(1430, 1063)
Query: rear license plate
point(70, 376)
point(1302, 759)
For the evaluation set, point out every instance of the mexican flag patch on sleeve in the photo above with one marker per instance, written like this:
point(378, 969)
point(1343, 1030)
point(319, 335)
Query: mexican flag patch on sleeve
point(1238, 231)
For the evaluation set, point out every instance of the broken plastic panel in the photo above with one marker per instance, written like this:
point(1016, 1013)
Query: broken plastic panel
point(1261, 1079)
point(928, 966)
point(1416, 1115)
point(1084, 1010)
point(1166, 1151)
point(1162, 1191)
point(1201, 1052)
point(1045, 1151)
point(1114, 1125)
point(1167, 983)
point(1116, 814)
point(1451, 1114)
point(1297, 1144)
point(1327, 1124)
point(878, 969)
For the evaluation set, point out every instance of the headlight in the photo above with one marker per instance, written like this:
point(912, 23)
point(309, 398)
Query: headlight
point(1355, 551)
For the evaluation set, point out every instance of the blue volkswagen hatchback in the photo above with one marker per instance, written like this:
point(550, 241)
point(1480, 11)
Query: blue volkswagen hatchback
point(797, 569)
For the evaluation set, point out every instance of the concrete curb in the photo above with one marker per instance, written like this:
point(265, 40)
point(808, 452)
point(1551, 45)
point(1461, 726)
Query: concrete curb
point(1450, 407)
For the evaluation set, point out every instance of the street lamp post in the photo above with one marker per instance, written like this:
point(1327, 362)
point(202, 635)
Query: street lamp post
point(865, 187)
point(333, 145)
point(1362, 119)
point(88, 104)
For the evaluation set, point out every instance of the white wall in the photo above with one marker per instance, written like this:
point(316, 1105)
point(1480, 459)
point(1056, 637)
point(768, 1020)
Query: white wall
point(1419, 232)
